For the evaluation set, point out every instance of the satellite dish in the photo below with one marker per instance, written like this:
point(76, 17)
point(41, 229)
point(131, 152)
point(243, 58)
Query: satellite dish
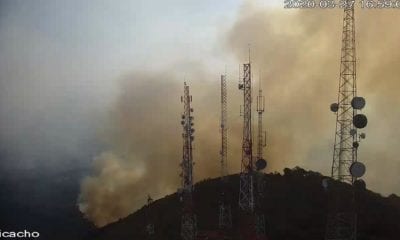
point(362, 135)
point(325, 183)
point(356, 144)
point(261, 164)
point(358, 102)
point(357, 169)
point(360, 121)
point(353, 132)
point(360, 184)
point(334, 107)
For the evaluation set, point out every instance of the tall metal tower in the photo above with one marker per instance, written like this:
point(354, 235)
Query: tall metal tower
point(261, 135)
point(225, 215)
point(342, 222)
point(261, 143)
point(247, 174)
point(344, 153)
point(224, 133)
point(246, 195)
point(189, 223)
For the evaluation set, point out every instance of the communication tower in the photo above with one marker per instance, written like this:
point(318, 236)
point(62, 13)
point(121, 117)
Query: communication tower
point(260, 164)
point(189, 223)
point(342, 222)
point(247, 172)
point(246, 196)
point(225, 215)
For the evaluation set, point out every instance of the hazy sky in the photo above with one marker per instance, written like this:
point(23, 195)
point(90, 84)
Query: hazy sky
point(60, 62)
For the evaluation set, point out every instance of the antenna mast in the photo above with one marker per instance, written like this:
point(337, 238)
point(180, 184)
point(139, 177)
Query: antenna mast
point(224, 134)
point(342, 223)
point(261, 134)
point(246, 197)
point(225, 215)
point(246, 192)
point(344, 153)
point(189, 223)
point(261, 143)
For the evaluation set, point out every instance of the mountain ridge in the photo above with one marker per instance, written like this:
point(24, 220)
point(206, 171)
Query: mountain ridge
point(294, 203)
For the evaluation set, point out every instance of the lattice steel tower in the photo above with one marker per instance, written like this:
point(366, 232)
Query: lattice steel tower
point(224, 133)
point(344, 153)
point(342, 222)
point(261, 135)
point(189, 223)
point(225, 215)
point(246, 195)
point(261, 143)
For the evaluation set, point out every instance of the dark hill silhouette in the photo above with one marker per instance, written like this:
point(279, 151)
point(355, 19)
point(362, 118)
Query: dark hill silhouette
point(294, 204)
point(44, 202)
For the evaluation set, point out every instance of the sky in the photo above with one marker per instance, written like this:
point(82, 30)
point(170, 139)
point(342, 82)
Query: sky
point(61, 60)
point(96, 85)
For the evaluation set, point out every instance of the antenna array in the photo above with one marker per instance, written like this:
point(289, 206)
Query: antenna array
point(189, 223)
point(342, 222)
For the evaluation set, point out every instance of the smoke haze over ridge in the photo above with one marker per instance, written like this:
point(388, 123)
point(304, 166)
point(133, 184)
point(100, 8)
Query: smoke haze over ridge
point(61, 68)
point(297, 53)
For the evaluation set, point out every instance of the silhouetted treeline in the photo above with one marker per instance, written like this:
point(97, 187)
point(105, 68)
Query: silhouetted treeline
point(295, 206)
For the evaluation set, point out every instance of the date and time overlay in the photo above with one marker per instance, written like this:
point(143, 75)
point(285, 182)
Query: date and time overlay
point(330, 4)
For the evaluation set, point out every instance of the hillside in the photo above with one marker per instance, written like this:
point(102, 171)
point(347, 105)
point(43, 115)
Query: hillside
point(295, 206)
point(43, 202)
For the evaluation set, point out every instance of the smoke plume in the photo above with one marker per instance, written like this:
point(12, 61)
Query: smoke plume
point(296, 54)
point(144, 136)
